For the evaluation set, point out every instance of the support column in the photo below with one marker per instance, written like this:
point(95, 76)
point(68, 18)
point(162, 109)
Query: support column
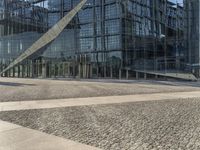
point(9, 73)
point(49, 70)
point(79, 70)
point(84, 71)
point(97, 72)
point(198, 72)
point(104, 70)
point(137, 75)
point(88, 71)
point(18, 71)
point(27, 70)
point(68, 68)
point(3, 75)
point(6, 73)
point(145, 76)
point(127, 74)
point(91, 70)
point(120, 74)
point(38, 68)
point(13, 72)
point(63, 71)
point(44, 73)
point(156, 76)
point(111, 72)
point(59, 70)
point(32, 69)
point(54, 70)
point(74, 70)
point(23, 71)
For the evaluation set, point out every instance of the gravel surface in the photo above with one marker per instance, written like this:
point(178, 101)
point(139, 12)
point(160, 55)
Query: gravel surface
point(164, 125)
point(38, 89)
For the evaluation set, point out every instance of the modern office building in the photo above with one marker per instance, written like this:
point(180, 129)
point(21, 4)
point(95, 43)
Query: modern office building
point(106, 38)
point(192, 8)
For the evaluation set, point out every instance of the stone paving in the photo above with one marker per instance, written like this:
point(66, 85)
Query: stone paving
point(14, 89)
point(169, 124)
point(145, 122)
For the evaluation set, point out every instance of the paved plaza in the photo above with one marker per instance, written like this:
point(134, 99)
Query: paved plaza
point(99, 115)
point(13, 89)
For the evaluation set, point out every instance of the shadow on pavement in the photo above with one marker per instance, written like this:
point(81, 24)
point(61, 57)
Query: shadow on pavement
point(14, 84)
point(148, 82)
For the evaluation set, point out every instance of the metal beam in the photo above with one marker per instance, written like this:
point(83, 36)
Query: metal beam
point(48, 37)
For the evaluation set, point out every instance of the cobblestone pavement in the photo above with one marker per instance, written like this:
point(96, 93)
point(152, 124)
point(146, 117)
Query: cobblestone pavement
point(14, 89)
point(164, 125)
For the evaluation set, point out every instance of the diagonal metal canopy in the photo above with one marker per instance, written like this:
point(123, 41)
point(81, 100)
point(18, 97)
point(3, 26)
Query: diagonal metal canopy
point(48, 37)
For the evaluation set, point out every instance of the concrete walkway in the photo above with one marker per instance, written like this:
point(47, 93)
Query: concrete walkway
point(14, 137)
point(23, 105)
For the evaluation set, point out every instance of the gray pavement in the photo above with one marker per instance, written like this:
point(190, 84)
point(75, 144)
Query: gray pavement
point(169, 124)
point(13, 89)
point(107, 114)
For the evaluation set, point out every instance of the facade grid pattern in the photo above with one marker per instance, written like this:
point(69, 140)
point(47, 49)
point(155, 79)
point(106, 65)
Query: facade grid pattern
point(107, 38)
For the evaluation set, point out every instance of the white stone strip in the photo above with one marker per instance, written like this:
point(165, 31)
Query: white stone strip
point(14, 137)
point(57, 103)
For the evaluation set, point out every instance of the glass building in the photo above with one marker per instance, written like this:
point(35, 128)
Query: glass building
point(107, 38)
point(192, 35)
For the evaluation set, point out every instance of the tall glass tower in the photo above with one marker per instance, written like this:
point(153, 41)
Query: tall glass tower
point(193, 35)
point(107, 38)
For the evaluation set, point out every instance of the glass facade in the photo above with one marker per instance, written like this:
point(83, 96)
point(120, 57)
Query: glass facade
point(107, 38)
point(192, 35)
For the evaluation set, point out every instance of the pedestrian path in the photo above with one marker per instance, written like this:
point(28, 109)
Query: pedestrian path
point(14, 137)
point(57, 103)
